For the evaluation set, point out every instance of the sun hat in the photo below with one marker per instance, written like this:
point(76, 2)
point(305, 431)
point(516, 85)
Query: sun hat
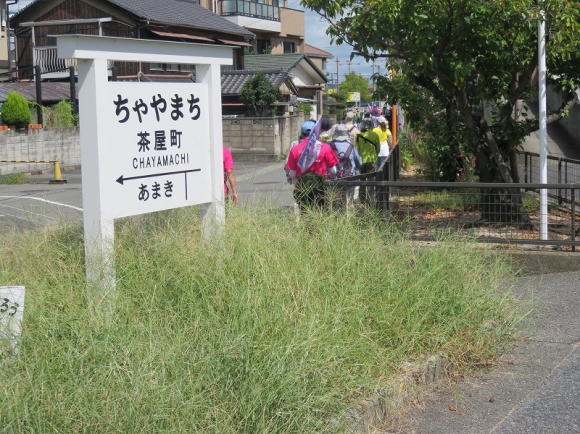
point(366, 124)
point(340, 133)
point(307, 126)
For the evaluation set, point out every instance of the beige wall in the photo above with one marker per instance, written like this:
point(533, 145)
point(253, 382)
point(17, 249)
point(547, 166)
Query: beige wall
point(206, 4)
point(278, 44)
point(292, 23)
point(258, 139)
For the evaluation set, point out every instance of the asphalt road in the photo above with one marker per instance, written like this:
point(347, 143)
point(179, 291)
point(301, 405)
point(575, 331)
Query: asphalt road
point(40, 203)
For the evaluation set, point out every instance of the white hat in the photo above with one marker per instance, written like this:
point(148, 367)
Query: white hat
point(340, 133)
point(349, 115)
point(382, 120)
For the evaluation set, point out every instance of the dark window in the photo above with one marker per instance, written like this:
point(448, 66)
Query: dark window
point(289, 47)
point(263, 46)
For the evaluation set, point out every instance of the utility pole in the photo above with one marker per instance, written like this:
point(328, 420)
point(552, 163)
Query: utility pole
point(344, 62)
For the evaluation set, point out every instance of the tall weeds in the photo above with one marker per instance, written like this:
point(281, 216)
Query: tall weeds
point(275, 327)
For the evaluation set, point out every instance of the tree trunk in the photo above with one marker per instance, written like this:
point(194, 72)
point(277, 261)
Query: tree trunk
point(498, 205)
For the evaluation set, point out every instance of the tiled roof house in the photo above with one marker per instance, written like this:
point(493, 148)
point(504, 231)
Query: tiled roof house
point(172, 20)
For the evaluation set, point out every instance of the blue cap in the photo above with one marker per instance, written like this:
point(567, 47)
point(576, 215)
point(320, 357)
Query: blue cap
point(308, 126)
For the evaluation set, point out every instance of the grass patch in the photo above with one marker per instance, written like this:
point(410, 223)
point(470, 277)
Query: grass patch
point(276, 327)
point(13, 179)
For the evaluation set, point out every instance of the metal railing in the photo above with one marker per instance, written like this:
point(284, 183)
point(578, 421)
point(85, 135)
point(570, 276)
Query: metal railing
point(49, 62)
point(559, 170)
point(484, 212)
point(250, 9)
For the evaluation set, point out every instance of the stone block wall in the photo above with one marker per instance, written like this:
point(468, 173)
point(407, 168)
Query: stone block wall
point(257, 139)
point(39, 144)
point(261, 139)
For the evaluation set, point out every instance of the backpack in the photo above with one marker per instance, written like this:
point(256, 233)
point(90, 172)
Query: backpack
point(344, 165)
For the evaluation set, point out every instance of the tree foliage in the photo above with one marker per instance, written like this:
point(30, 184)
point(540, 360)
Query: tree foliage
point(354, 82)
point(258, 94)
point(15, 110)
point(458, 55)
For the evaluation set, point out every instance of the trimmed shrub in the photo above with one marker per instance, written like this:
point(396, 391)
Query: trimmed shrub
point(15, 110)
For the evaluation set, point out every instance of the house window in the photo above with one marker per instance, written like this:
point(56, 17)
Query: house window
point(289, 47)
point(263, 46)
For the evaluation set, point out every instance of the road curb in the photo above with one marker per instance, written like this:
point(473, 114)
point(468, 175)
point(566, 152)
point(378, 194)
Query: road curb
point(545, 262)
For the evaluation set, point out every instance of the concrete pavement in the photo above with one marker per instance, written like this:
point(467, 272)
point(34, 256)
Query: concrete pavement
point(534, 388)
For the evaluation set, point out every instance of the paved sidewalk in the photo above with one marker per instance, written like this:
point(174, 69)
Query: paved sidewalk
point(535, 388)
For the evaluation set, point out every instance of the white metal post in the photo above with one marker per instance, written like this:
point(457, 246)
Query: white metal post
point(543, 127)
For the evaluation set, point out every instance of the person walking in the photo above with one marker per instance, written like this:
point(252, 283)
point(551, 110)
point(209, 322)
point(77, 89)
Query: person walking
point(349, 162)
point(368, 146)
point(309, 163)
point(229, 177)
point(385, 140)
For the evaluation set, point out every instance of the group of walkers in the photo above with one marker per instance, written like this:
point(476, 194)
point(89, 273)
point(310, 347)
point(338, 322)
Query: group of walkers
point(326, 151)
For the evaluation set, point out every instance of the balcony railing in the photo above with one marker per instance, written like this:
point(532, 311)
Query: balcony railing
point(250, 9)
point(49, 62)
point(53, 66)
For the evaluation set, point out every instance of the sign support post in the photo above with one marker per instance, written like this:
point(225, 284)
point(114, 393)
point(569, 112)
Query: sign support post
point(145, 147)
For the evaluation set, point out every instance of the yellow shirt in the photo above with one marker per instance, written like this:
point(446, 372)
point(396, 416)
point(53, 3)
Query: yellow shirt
point(384, 139)
point(383, 135)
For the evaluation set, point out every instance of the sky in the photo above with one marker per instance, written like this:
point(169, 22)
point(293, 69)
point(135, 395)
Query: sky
point(315, 35)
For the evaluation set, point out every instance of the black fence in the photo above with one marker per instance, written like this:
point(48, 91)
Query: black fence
point(559, 171)
point(483, 212)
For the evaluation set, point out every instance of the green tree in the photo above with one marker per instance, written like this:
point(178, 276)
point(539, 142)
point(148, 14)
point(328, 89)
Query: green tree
point(15, 110)
point(258, 94)
point(354, 82)
point(462, 54)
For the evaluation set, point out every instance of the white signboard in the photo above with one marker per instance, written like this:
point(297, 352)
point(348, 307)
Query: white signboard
point(11, 312)
point(157, 137)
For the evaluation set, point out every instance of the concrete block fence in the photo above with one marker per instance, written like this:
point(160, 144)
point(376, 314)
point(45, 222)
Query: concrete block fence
point(257, 139)
point(39, 144)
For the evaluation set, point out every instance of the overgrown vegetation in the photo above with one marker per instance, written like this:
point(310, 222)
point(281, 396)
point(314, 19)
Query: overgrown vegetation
point(437, 158)
point(15, 110)
point(59, 115)
point(305, 107)
point(275, 333)
point(13, 179)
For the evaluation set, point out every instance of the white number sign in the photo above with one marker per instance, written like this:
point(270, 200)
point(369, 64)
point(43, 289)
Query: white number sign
point(11, 312)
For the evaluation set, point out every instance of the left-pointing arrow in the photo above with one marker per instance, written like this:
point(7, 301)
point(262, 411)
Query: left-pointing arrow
point(121, 179)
